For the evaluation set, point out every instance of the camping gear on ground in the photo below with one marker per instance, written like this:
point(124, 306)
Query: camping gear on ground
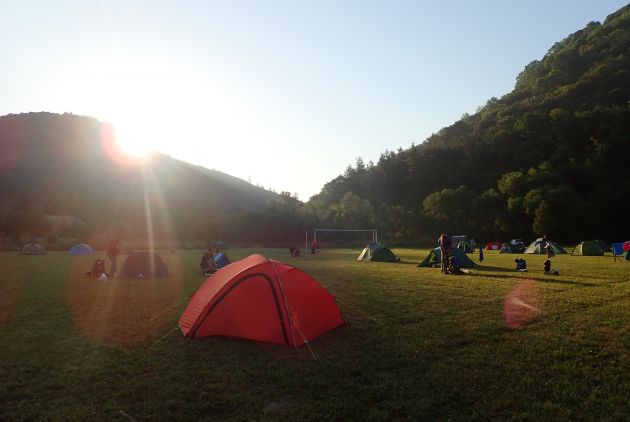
point(81, 249)
point(378, 252)
point(493, 246)
point(33, 249)
point(617, 251)
point(221, 260)
point(626, 245)
point(538, 247)
point(260, 299)
point(521, 264)
point(588, 247)
point(144, 264)
point(434, 258)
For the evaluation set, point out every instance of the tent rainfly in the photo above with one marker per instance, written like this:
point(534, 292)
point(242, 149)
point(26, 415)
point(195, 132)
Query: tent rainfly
point(537, 247)
point(587, 247)
point(33, 249)
point(434, 257)
point(81, 249)
point(378, 252)
point(262, 300)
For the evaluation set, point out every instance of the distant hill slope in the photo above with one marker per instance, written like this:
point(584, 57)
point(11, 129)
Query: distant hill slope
point(59, 164)
point(561, 137)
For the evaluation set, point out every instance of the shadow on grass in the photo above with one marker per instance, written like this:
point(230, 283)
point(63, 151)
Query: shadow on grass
point(481, 272)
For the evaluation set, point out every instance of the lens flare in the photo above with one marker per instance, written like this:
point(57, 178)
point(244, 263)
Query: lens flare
point(521, 305)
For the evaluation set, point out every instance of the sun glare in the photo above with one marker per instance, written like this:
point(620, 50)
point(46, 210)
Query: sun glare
point(158, 105)
point(134, 141)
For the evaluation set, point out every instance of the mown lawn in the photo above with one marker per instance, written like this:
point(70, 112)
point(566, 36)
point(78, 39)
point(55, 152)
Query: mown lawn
point(72, 348)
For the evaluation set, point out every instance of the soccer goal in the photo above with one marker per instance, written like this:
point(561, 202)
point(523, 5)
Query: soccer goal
point(369, 234)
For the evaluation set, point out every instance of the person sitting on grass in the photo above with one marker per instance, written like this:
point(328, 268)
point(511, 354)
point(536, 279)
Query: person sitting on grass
point(454, 266)
point(207, 264)
point(548, 270)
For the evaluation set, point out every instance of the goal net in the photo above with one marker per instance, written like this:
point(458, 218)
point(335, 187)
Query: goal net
point(341, 237)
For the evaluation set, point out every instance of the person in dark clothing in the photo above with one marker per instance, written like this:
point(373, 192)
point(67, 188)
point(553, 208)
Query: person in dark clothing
point(112, 253)
point(445, 249)
point(207, 264)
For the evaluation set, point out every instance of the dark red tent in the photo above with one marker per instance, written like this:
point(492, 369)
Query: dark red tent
point(493, 246)
point(264, 300)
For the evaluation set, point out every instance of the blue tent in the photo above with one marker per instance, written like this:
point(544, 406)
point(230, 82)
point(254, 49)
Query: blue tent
point(221, 260)
point(81, 250)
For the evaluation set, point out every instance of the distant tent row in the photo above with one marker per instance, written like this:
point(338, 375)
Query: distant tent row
point(434, 258)
point(378, 252)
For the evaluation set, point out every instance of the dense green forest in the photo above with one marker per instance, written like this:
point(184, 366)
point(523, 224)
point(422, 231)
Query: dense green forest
point(549, 157)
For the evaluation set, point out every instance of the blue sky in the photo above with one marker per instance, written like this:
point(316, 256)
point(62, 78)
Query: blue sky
point(285, 93)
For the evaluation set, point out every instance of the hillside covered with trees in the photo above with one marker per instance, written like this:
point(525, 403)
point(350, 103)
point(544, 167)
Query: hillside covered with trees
point(53, 164)
point(549, 157)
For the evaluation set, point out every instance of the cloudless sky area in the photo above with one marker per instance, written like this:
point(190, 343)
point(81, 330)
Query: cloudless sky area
point(284, 93)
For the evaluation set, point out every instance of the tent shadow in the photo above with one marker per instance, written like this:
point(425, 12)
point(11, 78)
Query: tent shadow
point(520, 275)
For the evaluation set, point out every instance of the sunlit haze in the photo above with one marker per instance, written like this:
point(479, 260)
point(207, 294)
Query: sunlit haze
point(285, 94)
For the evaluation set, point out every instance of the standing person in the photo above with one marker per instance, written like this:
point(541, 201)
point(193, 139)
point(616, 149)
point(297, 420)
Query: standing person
point(112, 253)
point(314, 246)
point(445, 250)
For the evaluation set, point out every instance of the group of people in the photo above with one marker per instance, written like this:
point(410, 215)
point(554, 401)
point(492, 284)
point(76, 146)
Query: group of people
point(449, 264)
point(208, 263)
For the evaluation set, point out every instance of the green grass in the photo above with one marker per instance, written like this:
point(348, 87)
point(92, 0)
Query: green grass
point(76, 349)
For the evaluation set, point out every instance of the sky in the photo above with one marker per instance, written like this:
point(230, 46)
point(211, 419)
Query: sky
point(284, 94)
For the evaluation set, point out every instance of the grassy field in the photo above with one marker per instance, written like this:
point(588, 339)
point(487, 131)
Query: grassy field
point(72, 348)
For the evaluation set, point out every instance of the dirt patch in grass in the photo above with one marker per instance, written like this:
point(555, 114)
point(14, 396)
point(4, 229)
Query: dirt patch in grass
point(125, 311)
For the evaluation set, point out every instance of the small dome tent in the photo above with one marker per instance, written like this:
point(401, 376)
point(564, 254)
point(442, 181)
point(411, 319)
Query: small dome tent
point(538, 247)
point(81, 249)
point(434, 258)
point(144, 264)
point(588, 247)
point(378, 252)
point(33, 249)
point(493, 246)
point(262, 300)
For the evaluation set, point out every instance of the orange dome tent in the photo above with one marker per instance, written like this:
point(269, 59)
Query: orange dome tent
point(262, 300)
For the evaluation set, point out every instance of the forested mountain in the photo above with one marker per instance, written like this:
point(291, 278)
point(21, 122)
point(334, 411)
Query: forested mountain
point(65, 164)
point(549, 157)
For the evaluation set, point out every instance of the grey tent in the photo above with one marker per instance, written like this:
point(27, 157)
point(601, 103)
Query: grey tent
point(378, 252)
point(538, 247)
point(33, 249)
point(588, 247)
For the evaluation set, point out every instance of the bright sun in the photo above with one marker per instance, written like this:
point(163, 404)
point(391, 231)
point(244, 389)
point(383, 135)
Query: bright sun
point(153, 105)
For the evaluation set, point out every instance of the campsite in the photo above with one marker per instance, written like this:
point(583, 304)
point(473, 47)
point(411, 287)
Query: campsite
point(415, 342)
point(313, 211)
